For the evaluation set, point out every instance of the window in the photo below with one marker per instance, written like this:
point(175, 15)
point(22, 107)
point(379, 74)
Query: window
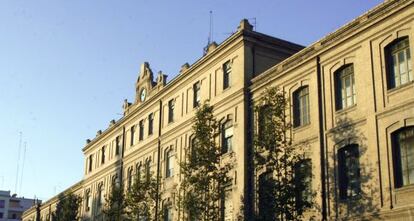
point(345, 87)
point(227, 136)
point(301, 107)
point(266, 197)
point(171, 106)
point(193, 143)
point(141, 130)
point(2, 203)
point(403, 148)
point(1, 215)
point(150, 124)
point(226, 74)
point(88, 201)
point(100, 196)
point(117, 145)
point(303, 183)
point(90, 163)
point(132, 135)
point(196, 95)
point(169, 162)
point(228, 205)
point(148, 170)
point(138, 172)
point(168, 216)
point(129, 179)
point(399, 62)
point(103, 155)
point(348, 172)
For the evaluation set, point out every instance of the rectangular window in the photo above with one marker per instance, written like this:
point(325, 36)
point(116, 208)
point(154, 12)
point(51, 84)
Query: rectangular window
point(403, 147)
point(132, 135)
point(301, 107)
point(171, 106)
point(150, 124)
point(345, 87)
point(303, 184)
point(2, 203)
point(141, 130)
point(1, 215)
point(103, 155)
point(117, 145)
point(400, 64)
point(196, 95)
point(90, 163)
point(226, 74)
point(349, 172)
point(227, 136)
point(170, 164)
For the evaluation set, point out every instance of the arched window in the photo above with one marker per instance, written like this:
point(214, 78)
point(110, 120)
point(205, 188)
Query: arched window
point(403, 155)
point(88, 200)
point(399, 63)
point(169, 162)
point(148, 170)
point(301, 107)
point(129, 179)
point(345, 87)
point(100, 197)
point(227, 136)
point(138, 171)
point(349, 172)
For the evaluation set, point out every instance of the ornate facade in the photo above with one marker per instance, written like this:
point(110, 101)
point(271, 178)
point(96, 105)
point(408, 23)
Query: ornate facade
point(352, 103)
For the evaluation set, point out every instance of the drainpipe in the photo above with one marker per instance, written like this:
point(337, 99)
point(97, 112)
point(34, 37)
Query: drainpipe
point(157, 202)
point(321, 137)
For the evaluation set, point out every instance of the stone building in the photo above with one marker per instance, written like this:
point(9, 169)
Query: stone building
point(352, 102)
point(12, 206)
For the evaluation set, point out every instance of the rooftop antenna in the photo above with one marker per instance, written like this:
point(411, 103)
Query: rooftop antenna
point(18, 161)
point(254, 23)
point(21, 175)
point(210, 34)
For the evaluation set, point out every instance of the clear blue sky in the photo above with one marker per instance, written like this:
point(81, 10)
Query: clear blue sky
point(67, 66)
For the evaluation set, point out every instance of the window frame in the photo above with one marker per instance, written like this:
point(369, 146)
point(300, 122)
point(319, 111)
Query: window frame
point(196, 94)
point(397, 157)
point(301, 106)
point(171, 107)
point(225, 128)
point(227, 70)
point(391, 68)
point(141, 130)
point(150, 124)
point(344, 73)
point(169, 163)
point(103, 155)
point(349, 187)
point(132, 132)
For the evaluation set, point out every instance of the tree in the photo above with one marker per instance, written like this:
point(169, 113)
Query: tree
point(67, 208)
point(114, 208)
point(141, 198)
point(282, 182)
point(204, 172)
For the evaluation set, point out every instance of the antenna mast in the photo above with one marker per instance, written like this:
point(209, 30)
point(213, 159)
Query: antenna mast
point(210, 34)
point(21, 175)
point(18, 162)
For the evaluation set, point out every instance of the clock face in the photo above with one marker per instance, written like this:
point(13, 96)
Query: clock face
point(143, 94)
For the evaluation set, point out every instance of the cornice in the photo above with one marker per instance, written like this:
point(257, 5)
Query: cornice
point(350, 29)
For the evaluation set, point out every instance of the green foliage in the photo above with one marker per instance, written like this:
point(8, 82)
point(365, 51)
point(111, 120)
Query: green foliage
point(67, 209)
point(141, 198)
point(277, 161)
point(204, 172)
point(114, 208)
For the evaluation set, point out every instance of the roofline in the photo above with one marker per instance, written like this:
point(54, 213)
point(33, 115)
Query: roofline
point(330, 38)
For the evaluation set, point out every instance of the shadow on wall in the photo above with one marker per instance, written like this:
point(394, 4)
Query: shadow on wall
point(352, 182)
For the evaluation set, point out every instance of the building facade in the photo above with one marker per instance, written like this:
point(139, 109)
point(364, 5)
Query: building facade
point(351, 99)
point(12, 207)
